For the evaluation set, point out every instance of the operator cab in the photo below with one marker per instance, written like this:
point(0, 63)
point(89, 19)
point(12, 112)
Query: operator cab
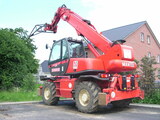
point(62, 50)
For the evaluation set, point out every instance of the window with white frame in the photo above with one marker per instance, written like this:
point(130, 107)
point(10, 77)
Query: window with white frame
point(149, 54)
point(158, 59)
point(142, 37)
point(148, 39)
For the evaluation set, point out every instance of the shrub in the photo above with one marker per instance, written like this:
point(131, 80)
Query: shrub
point(17, 62)
point(147, 80)
point(29, 83)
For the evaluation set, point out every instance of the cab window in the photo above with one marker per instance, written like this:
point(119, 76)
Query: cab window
point(76, 50)
point(55, 53)
point(64, 50)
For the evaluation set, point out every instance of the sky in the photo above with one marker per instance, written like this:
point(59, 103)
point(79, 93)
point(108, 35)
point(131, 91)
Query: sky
point(103, 14)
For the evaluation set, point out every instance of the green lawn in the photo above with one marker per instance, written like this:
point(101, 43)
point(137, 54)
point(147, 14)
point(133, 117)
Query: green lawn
point(14, 96)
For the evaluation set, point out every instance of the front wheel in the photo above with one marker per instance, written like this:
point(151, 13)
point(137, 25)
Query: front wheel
point(86, 96)
point(48, 93)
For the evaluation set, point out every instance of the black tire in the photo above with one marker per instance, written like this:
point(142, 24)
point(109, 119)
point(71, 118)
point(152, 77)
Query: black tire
point(121, 103)
point(48, 93)
point(90, 90)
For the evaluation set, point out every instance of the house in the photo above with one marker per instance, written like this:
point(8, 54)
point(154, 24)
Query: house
point(140, 37)
point(43, 70)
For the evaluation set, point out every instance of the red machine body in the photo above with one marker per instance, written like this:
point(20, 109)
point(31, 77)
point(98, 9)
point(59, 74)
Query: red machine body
point(116, 58)
point(70, 74)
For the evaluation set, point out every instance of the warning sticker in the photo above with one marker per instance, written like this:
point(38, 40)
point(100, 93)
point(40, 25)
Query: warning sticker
point(75, 64)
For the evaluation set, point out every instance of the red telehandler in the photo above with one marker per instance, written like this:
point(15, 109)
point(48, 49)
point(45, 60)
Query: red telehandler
point(91, 82)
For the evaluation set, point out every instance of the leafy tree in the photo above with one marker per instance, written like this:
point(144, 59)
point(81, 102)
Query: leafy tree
point(148, 75)
point(17, 60)
point(21, 33)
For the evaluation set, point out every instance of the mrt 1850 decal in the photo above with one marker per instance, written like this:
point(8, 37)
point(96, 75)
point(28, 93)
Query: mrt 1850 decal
point(129, 64)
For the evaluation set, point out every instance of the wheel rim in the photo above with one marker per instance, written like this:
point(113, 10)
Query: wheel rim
point(47, 93)
point(84, 97)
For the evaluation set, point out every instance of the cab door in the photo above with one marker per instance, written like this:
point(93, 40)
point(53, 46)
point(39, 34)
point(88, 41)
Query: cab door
point(58, 60)
point(65, 56)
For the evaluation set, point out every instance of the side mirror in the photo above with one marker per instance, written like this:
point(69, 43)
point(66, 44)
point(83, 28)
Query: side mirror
point(54, 40)
point(46, 46)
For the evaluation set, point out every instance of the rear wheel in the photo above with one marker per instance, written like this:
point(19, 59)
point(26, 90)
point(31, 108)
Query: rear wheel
point(48, 94)
point(86, 96)
point(121, 103)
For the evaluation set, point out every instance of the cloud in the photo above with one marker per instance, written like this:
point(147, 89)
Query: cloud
point(107, 14)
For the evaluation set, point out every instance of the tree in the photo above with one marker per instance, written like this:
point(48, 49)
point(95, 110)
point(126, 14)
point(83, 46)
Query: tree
point(148, 74)
point(17, 60)
point(22, 34)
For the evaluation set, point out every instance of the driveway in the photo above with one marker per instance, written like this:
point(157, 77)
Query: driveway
point(66, 110)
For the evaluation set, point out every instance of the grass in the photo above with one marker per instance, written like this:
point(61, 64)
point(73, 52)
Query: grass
point(21, 95)
point(17, 95)
point(14, 96)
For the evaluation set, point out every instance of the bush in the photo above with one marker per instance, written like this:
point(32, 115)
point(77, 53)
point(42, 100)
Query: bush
point(151, 99)
point(29, 83)
point(17, 62)
point(147, 80)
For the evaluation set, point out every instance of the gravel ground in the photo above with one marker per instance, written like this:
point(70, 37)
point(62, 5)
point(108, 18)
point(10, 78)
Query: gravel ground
point(66, 110)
